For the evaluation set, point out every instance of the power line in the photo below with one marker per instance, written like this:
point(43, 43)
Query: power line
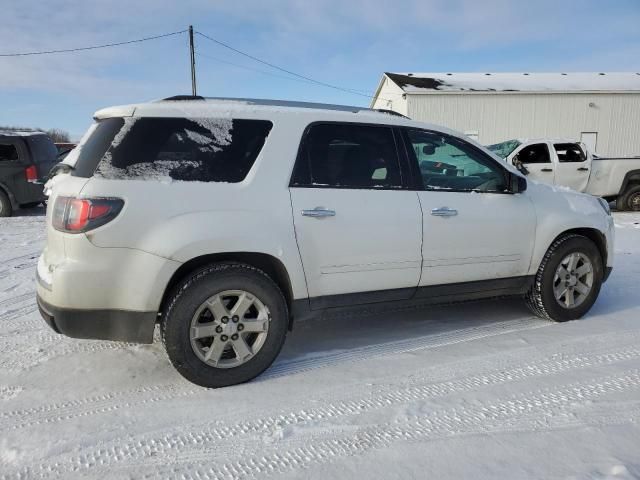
point(264, 62)
point(93, 47)
point(245, 67)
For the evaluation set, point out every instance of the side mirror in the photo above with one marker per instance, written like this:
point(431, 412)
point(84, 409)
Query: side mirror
point(520, 166)
point(518, 184)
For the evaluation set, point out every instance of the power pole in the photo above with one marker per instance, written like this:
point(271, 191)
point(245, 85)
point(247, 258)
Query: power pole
point(193, 62)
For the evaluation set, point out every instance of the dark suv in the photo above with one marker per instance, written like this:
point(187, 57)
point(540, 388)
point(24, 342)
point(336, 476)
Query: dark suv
point(25, 159)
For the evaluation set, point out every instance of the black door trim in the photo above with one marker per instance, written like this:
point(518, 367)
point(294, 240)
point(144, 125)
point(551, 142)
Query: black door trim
point(433, 294)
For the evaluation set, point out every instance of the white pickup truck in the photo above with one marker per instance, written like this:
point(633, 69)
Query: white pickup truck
point(571, 164)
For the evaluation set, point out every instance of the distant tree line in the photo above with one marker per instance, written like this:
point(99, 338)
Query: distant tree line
point(56, 134)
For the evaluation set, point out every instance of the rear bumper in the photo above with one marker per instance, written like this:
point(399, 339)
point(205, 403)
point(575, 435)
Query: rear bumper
point(117, 325)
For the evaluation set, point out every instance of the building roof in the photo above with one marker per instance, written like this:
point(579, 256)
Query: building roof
point(516, 82)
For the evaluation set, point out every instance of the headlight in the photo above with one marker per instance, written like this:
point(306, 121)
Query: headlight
point(604, 205)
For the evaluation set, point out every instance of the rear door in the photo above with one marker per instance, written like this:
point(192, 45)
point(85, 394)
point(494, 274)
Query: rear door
point(537, 158)
point(573, 166)
point(358, 227)
point(474, 229)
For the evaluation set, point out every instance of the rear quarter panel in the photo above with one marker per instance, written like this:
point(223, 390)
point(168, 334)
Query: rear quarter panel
point(183, 220)
point(608, 175)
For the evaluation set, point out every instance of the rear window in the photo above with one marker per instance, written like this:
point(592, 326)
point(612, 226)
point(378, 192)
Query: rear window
point(194, 149)
point(42, 149)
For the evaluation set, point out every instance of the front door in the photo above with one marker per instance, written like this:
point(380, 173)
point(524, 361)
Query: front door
point(537, 160)
point(474, 229)
point(359, 230)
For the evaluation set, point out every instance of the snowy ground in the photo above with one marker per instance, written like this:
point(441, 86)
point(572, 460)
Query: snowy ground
point(471, 391)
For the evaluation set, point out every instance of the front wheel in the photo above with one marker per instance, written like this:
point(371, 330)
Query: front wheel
point(225, 325)
point(568, 281)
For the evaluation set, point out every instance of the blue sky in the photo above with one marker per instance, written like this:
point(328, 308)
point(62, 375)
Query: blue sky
point(347, 43)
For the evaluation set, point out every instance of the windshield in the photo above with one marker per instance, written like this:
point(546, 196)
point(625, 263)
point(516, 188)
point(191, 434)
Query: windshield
point(504, 149)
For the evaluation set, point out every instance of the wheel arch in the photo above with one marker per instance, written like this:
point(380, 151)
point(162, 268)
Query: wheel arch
point(593, 234)
point(632, 177)
point(269, 264)
point(5, 189)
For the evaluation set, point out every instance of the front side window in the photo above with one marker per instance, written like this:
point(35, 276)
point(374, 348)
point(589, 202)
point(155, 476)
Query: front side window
point(449, 163)
point(8, 152)
point(536, 153)
point(347, 156)
point(187, 149)
point(569, 153)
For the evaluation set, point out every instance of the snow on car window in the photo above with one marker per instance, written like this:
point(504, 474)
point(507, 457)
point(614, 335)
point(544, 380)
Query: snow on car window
point(126, 128)
point(188, 149)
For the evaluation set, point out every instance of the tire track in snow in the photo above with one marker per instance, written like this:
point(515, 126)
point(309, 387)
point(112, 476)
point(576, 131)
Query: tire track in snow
point(122, 399)
point(110, 402)
point(94, 405)
point(17, 299)
point(484, 417)
point(148, 450)
point(8, 392)
point(42, 345)
point(21, 262)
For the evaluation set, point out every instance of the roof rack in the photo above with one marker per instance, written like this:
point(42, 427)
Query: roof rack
point(287, 103)
point(389, 112)
point(184, 97)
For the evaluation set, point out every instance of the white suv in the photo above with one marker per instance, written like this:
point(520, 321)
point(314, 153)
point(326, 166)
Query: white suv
point(223, 220)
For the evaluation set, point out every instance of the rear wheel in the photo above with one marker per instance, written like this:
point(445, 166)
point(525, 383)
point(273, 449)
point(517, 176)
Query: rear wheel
point(225, 325)
point(5, 205)
point(630, 199)
point(568, 281)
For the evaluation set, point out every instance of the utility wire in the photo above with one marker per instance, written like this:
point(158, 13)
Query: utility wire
point(309, 79)
point(245, 67)
point(93, 47)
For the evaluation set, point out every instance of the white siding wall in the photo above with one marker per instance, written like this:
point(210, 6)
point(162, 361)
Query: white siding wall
point(390, 97)
point(496, 117)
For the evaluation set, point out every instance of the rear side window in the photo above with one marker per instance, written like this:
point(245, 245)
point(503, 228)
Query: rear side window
point(569, 152)
point(199, 149)
point(347, 156)
point(8, 152)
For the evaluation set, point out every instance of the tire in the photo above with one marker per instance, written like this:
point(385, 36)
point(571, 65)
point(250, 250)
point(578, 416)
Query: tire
point(5, 205)
point(630, 199)
point(541, 298)
point(188, 354)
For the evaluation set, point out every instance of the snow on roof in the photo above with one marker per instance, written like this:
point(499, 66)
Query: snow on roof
point(20, 133)
point(516, 82)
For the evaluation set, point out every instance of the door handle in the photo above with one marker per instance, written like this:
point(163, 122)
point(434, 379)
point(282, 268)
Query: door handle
point(319, 212)
point(583, 169)
point(546, 170)
point(444, 212)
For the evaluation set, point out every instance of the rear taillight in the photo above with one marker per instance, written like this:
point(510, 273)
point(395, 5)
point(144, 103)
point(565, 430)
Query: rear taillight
point(77, 215)
point(31, 174)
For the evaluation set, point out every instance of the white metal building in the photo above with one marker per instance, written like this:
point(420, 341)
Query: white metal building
point(600, 109)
